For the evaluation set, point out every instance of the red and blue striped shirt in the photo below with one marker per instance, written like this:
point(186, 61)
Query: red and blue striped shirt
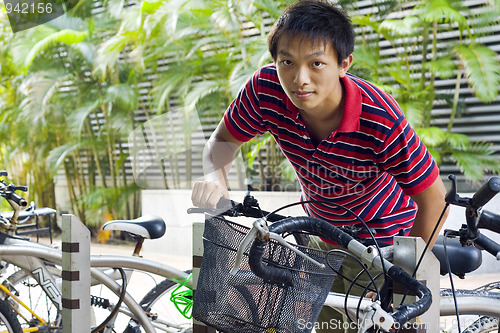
point(371, 164)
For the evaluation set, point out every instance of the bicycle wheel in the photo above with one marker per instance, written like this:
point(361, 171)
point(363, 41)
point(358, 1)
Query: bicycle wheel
point(8, 320)
point(28, 290)
point(482, 325)
point(162, 311)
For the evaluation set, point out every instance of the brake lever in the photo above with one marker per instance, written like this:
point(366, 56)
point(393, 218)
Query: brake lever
point(258, 230)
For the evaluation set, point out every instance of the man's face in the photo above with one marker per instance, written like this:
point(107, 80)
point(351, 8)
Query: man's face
point(310, 74)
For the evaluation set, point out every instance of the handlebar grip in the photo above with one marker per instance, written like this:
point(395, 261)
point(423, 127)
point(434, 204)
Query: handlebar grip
point(267, 273)
point(488, 245)
point(289, 225)
point(405, 312)
point(225, 203)
point(489, 220)
point(485, 193)
point(314, 226)
point(17, 199)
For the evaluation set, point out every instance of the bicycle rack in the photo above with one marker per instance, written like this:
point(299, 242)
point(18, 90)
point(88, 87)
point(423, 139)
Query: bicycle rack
point(198, 228)
point(75, 275)
point(407, 252)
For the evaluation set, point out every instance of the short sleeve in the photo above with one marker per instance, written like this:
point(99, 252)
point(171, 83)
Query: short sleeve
point(405, 157)
point(243, 117)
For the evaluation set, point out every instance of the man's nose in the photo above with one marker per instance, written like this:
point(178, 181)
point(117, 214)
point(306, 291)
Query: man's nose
point(301, 76)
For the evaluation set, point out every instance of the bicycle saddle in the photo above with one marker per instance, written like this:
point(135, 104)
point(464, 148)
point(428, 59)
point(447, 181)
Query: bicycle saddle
point(463, 259)
point(150, 227)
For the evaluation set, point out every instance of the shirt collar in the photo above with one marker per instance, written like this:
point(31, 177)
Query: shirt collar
point(352, 106)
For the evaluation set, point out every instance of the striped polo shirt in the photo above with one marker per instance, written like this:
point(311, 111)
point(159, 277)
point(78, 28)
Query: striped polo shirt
point(371, 164)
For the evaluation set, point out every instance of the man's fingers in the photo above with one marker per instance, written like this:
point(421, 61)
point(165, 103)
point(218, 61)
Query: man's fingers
point(207, 194)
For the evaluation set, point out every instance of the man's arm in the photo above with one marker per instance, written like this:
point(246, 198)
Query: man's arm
point(218, 156)
point(430, 206)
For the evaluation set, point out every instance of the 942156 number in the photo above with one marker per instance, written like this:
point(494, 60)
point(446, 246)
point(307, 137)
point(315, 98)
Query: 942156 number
point(28, 8)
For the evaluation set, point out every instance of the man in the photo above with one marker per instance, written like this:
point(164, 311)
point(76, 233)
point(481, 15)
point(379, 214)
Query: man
point(347, 140)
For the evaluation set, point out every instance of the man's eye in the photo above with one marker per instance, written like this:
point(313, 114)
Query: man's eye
point(318, 64)
point(286, 62)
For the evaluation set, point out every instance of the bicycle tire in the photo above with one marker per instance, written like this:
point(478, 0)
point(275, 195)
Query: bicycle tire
point(157, 302)
point(8, 319)
point(27, 289)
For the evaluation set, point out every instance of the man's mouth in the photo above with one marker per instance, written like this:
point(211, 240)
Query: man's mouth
point(303, 94)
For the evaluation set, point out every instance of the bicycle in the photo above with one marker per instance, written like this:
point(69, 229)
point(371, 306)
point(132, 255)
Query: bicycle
point(37, 281)
point(246, 308)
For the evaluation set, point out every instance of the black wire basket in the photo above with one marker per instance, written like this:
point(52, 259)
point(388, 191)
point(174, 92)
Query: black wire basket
point(246, 303)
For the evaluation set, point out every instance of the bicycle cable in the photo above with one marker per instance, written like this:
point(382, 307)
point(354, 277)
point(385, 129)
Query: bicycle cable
point(367, 287)
point(356, 216)
point(116, 308)
point(448, 267)
point(353, 282)
point(343, 276)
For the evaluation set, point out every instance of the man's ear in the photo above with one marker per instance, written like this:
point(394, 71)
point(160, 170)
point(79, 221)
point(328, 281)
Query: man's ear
point(345, 65)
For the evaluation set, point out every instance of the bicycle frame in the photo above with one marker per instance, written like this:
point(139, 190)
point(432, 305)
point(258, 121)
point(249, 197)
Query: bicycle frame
point(30, 257)
point(468, 302)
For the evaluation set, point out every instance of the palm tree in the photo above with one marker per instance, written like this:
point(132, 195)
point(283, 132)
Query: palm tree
point(414, 58)
point(80, 119)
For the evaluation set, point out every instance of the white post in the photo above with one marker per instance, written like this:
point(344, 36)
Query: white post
point(198, 228)
point(75, 275)
point(407, 252)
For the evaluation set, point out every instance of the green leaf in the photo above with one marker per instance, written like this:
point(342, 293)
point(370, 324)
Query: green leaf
point(482, 69)
point(76, 119)
point(442, 11)
point(65, 36)
point(475, 160)
point(431, 136)
point(199, 90)
point(58, 155)
point(444, 67)
point(366, 21)
point(109, 53)
point(409, 26)
point(123, 95)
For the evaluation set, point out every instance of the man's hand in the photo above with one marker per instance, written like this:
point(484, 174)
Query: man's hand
point(206, 194)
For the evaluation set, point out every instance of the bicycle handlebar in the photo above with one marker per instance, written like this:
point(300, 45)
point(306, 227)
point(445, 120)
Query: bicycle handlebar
point(488, 245)
point(485, 193)
point(227, 207)
point(326, 230)
point(16, 198)
point(8, 192)
point(488, 220)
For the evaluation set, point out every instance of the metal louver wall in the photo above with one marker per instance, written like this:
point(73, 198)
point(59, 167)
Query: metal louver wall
point(478, 120)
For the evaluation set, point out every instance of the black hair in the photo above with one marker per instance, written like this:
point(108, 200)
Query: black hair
point(318, 20)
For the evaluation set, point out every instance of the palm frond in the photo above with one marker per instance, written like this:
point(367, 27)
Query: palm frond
point(109, 53)
point(199, 90)
point(408, 26)
point(123, 96)
point(431, 136)
point(482, 69)
point(38, 89)
point(442, 11)
point(58, 155)
point(475, 160)
point(65, 36)
point(76, 120)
